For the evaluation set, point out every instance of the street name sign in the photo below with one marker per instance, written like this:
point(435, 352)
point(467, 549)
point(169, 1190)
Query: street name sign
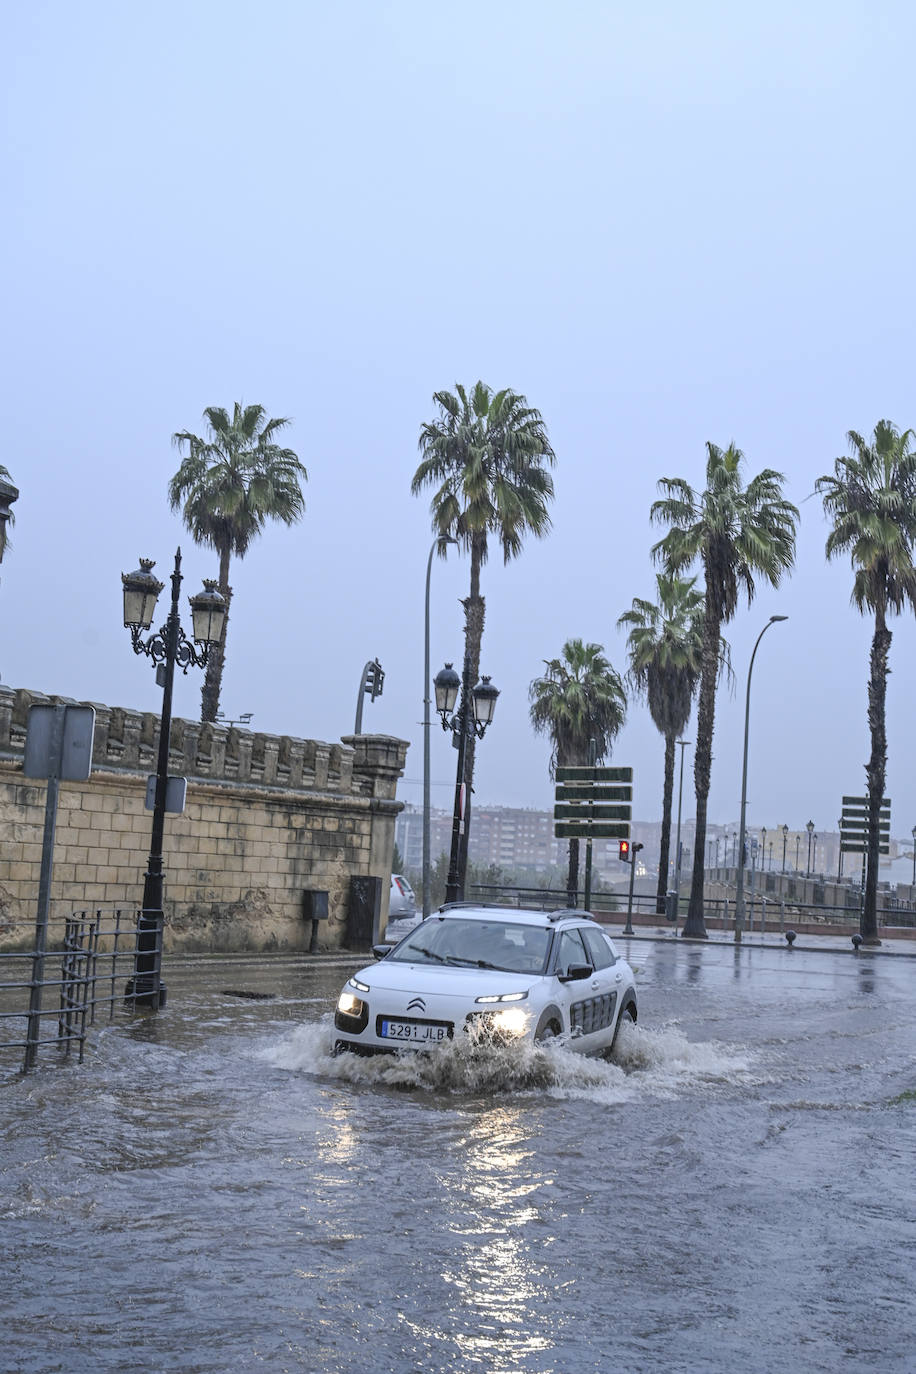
point(593, 803)
point(854, 826)
point(592, 830)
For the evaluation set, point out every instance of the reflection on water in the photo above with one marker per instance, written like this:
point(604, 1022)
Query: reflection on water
point(216, 1192)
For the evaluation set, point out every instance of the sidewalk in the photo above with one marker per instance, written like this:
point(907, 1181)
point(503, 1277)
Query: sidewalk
point(899, 946)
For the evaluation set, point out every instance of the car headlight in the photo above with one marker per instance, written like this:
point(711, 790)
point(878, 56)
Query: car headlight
point(511, 1021)
point(501, 997)
point(348, 1004)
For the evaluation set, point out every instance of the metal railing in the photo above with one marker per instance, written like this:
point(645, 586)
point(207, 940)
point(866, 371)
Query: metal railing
point(762, 912)
point(87, 974)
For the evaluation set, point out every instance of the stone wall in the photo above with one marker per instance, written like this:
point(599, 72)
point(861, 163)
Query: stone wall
point(266, 817)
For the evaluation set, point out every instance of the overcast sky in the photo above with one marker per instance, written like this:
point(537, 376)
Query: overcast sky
point(663, 223)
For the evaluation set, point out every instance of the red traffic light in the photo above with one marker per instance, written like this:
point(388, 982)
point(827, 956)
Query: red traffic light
point(625, 851)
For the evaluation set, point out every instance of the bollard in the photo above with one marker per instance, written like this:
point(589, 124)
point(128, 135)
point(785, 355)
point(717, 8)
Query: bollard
point(790, 938)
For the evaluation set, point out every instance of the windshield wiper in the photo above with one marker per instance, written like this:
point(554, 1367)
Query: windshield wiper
point(430, 953)
point(477, 963)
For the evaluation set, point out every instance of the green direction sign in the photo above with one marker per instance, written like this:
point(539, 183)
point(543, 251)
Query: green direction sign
point(584, 812)
point(583, 792)
point(863, 801)
point(594, 774)
point(859, 847)
point(594, 830)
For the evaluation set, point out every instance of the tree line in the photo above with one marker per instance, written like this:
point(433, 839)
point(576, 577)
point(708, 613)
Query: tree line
point(487, 456)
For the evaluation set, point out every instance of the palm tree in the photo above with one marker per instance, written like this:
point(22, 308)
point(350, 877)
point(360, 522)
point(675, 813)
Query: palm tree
point(871, 499)
point(578, 699)
point(665, 647)
point(736, 532)
point(487, 454)
point(227, 488)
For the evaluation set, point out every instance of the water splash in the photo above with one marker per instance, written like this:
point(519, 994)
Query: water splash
point(657, 1062)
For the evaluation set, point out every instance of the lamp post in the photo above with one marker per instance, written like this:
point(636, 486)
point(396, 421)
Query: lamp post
point(785, 837)
point(742, 819)
point(8, 494)
point(797, 843)
point(735, 848)
point(166, 647)
point(839, 862)
point(763, 847)
point(809, 826)
point(371, 684)
point(814, 855)
point(682, 745)
point(482, 701)
point(441, 546)
point(914, 855)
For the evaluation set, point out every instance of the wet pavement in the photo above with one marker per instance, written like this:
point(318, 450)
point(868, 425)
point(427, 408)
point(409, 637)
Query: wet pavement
point(212, 1191)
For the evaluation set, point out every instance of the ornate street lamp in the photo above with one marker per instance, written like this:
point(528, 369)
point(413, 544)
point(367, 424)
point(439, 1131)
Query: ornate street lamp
point(914, 855)
point(166, 647)
point(809, 826)
point(482, 702)
point(785, 836)
point(8, 494)
point(763, 846)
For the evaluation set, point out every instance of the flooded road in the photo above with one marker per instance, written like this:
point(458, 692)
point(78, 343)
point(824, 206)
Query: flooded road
point(212, 1191)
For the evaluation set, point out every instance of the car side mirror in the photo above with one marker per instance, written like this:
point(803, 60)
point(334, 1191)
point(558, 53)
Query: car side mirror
point(381, 951)
point(575, 973)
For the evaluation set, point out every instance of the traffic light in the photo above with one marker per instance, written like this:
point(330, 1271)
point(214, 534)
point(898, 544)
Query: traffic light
point(624, 855)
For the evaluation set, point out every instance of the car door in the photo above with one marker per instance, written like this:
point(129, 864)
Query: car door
point(605, 986)
point(587, 998)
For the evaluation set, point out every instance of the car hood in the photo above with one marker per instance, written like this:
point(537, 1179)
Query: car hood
point(400, 976)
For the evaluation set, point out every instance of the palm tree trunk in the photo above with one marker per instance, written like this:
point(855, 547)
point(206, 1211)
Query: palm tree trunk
point(695, 926)
point(876, 772)
point(474, 610)
point(213, 676)
point(665, 846)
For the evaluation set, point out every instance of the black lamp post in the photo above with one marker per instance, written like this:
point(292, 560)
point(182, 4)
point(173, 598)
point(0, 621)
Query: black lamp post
point(763, 846)
point(483, 704)
point(809, 826)
point(166, 647)
point(914, 855)
point(785, 837)
point(8, 494)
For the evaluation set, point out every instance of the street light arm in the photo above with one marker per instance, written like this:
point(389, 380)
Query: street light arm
point(742, 821)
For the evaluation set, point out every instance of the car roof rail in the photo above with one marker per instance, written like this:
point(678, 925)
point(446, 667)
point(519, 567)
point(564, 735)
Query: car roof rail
point(563, 911)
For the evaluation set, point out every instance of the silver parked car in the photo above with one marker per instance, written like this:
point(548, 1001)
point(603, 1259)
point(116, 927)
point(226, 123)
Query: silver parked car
point(401, 901)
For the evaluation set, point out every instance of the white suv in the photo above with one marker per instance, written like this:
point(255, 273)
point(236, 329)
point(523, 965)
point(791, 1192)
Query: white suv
point(490, 971)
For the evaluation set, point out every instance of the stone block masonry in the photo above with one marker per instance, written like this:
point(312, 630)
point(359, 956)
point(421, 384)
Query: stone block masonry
point(266, 817)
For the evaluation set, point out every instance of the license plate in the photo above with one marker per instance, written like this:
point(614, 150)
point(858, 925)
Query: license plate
point(422, 1032)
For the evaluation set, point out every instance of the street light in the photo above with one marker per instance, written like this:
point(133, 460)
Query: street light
point(797, 843)
point(166, 647)
point(839, 864)
point(914, 855)
point(809, 826)
point(814, 855)
point(8, 494)
point(763, 846)
point(483, 705)
point(441, 545)
point(742, 820)
point(785, 837)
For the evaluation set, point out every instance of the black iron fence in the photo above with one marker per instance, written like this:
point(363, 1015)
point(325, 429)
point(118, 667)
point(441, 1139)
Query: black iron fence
point(49, 999)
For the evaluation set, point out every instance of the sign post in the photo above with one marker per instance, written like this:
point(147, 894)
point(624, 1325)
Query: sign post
point(58, 746)
point(592, 803)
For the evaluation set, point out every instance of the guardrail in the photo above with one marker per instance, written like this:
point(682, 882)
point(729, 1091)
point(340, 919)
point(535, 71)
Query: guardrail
point(92, 968)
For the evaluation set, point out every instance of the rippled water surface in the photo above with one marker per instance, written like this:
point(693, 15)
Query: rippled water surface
point(212, 1191)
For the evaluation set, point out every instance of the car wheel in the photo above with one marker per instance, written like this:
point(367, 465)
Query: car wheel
point(628, 1011)
point(549, 1028)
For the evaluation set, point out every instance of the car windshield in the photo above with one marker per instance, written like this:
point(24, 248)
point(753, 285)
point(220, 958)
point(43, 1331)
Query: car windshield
point(459, 942)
